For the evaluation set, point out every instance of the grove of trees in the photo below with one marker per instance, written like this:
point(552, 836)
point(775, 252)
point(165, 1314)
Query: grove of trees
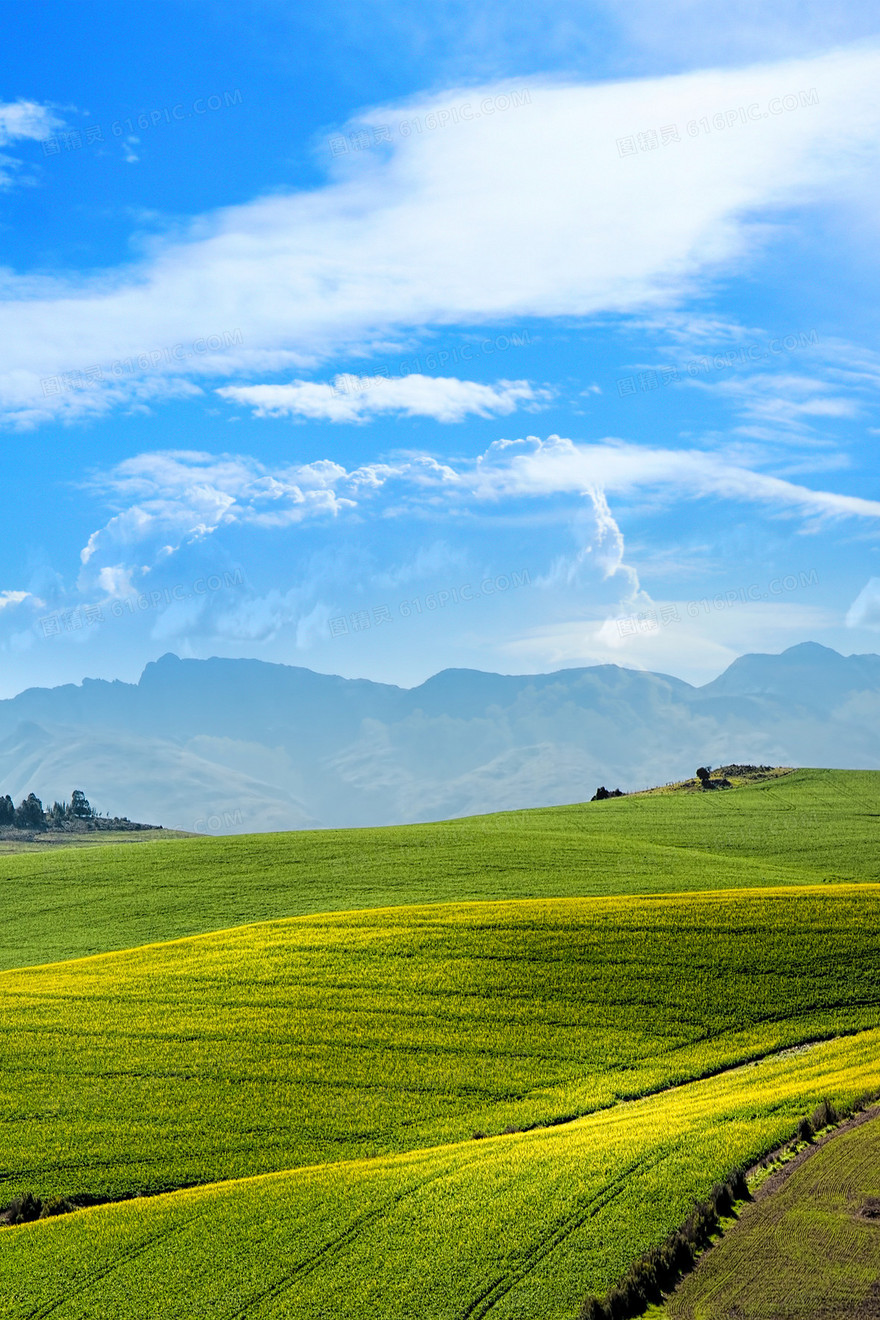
point(29, 814)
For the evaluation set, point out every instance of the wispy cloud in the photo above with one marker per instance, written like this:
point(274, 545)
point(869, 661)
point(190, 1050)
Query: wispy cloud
point(865, 609)
point(12, 598)
point(359, 398)
point(169, 500)
point(557, 225)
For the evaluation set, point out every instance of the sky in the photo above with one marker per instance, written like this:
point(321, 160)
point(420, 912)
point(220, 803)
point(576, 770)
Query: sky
point(383, 339)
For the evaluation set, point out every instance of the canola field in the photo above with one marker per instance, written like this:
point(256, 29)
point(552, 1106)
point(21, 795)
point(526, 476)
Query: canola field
point(518, 1227)
point(302, 1065)
point(355, 1034)
point(810, 827)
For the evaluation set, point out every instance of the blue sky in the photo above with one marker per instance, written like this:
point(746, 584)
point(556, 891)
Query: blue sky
point(379, 339)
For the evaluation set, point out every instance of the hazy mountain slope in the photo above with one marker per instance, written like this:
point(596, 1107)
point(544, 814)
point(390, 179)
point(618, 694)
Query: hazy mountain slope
point(241, 745)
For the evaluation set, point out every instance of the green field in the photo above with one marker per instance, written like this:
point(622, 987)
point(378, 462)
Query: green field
point(519, 1227)
point(809, 827)
point(87, 839)
point(807, 1250)
point(332, 1037)
point(302, 1034)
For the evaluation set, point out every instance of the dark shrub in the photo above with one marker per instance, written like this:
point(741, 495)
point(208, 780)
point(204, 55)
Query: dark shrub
point(617, 1304)
point(739, 1188)
point(824, 1115)
point(24, 1209)
point(479, 1135)
point(805, 1130)
point(684, 1255)
point(56, 1205)
point(643, 1278)
point(592, 1309)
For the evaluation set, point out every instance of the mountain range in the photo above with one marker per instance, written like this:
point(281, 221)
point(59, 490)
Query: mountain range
point(238, 746)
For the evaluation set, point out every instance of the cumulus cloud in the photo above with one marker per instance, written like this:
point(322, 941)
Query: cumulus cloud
point(179, 498)
point(358, 398)
point(532, 212)
point(601, 547)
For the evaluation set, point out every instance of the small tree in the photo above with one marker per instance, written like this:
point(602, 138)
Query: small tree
point(7, 811)
point(79, 805)
point(29, 814)
point(702, 774)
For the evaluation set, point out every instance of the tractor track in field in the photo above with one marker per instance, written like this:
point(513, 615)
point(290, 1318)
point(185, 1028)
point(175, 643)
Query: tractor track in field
point(336, 1244)
point(493, 1293)
point(95, 1276)
point(767, 1191)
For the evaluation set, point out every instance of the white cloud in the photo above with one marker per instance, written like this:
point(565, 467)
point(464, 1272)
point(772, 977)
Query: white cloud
point(176, 498)
point(21, 120)
point(531, 212)
point(695, 649)
point(865, 609)
point(26, 119)
point(357, 398)
point(601, 548)
point(12, 598)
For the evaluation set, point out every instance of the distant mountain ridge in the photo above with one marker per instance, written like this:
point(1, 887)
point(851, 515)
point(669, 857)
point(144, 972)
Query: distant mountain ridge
point(243, 745)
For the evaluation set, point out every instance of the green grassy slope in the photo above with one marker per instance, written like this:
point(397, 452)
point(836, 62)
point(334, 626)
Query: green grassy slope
point(519, 1227)
point(807, 1250)
point(810, 826)
point(99, 839)
point(345, 1035)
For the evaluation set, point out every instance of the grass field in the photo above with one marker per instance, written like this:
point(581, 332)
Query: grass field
point(519, 1227)
point(92, 839)
point(313, 1080)
point(807, 1250)
point(343, 1035)
point(810, 827)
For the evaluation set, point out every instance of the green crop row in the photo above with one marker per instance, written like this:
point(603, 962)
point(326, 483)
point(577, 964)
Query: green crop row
point(809, 827)
point(519, 1226)
point(323, 1038)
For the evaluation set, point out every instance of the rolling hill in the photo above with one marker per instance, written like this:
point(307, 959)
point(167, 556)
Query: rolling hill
point(459, 1069)
point(237, 746)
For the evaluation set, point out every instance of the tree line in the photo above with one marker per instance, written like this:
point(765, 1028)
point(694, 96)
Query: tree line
point(30, 815)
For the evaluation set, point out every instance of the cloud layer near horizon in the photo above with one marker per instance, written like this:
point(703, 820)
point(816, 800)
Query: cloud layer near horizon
point(529, 211)
point(166, 500)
